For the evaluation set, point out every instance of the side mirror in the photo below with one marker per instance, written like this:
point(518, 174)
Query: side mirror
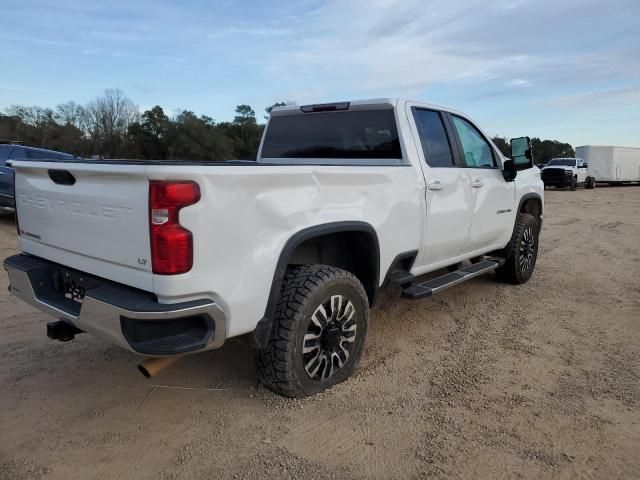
point(521, 158)
point(583, 166)
point(521, 154)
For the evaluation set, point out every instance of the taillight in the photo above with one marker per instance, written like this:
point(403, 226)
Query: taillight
point(171, 243)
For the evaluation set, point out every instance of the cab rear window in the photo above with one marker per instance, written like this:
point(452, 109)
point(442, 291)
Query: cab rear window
point(365, 134)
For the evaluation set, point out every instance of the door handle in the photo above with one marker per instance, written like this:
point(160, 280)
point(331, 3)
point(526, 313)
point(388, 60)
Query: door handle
point(477, 183)
point(437, 185)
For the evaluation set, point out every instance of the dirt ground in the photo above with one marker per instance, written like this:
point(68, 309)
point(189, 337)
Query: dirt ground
point(483, 381)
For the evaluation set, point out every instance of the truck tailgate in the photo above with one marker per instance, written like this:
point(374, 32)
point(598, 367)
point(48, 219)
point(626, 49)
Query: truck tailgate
point(91, 217)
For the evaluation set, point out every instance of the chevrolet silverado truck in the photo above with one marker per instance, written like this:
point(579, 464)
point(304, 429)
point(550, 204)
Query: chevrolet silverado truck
point(165, 258)
point(567, 172)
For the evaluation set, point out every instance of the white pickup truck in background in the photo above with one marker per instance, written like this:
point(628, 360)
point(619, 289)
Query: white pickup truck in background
point(168, 258)
point(567, 172)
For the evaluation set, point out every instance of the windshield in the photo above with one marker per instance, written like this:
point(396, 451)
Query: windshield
point(364, 134)
point(567, 162)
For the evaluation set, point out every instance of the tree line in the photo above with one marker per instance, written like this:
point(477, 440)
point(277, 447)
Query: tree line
point(112, 126)
point(543, 150)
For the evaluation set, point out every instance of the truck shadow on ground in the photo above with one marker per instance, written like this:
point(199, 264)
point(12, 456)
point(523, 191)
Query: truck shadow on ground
point(97, 365)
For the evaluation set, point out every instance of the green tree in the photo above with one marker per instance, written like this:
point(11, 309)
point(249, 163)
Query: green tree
point(244, 115)
point(545, 150)
point(244, 133)
point(503, 145)
point(151, 136)
point(199, 138)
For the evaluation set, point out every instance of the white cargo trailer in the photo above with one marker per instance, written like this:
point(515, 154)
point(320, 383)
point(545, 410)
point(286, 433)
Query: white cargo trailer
point(611, 164)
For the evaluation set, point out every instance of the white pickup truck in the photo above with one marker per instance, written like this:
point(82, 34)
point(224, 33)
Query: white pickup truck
point(566, 172)
point(168, 258)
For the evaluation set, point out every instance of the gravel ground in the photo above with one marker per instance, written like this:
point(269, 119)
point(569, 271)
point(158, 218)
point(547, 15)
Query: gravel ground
point(483, 381)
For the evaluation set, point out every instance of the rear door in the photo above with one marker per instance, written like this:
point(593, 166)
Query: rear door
point(89, 216)
point(492, 212)
point(448, 195)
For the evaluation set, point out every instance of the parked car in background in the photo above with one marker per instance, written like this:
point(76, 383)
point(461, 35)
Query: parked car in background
point(611, 164)
point(10, 152)
point(566, 172)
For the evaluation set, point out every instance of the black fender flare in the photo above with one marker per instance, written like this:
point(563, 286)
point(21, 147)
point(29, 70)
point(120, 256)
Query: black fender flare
point(529, 196)
point(263, 328)
point(506, 251)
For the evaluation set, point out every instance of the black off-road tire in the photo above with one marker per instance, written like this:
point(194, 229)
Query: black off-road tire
point(281, 363)
point(590, 183)
point(527, 228)
point(573, 185)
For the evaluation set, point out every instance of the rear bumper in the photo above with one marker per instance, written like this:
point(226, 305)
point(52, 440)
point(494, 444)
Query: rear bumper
point(122, 315)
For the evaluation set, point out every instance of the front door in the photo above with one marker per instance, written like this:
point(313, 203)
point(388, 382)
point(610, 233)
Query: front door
point(582, 170)
point(492, 215)
point(448, 194)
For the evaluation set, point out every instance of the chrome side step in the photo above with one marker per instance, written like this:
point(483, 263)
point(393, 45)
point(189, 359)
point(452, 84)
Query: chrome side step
point(426, 289)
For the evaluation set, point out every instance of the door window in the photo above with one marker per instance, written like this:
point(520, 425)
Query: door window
point(4, 154)
point(18, 153)
point(433, 137)
point(476, 149)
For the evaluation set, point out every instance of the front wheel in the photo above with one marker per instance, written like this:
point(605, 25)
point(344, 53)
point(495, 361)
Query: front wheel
point(522, 252)
point(573, 184)
point(318, 331)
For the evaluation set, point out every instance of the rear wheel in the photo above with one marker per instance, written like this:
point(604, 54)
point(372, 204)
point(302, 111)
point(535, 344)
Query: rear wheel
point(318, 331)
point(522, 252)
point(590, 183)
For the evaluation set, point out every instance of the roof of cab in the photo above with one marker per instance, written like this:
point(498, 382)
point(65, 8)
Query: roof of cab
point(366, 104)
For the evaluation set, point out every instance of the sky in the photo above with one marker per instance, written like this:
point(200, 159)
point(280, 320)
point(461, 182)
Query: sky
point(561, 69)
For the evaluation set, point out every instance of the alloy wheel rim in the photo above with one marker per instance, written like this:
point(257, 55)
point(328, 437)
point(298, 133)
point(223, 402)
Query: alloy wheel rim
point(527, 249)
point(329, 338)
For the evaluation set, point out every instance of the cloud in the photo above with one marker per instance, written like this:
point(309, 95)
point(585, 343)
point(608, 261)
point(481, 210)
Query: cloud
point(38, 41)
point(252, 31)
point(519, 82)
point(402, 47)
point(16, 88)
point(628, 95)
